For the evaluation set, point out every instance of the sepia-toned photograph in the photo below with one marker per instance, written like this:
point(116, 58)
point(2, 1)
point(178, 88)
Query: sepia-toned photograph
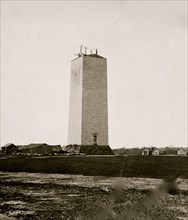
point(94, 110)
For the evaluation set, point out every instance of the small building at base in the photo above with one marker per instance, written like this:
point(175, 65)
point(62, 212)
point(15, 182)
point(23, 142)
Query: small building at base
point(9, 148)
point(39, 149)
point(150, 151)
point(145, 152)
point(155, 152)
point(182, 152)
point(89, 149)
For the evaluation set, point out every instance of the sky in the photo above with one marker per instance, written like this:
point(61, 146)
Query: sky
point(145, 43)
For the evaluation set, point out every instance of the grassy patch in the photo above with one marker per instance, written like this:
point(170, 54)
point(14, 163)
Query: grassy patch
point(132, 166)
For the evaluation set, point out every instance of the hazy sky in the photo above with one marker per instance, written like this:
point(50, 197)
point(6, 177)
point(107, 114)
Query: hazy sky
point(145, 43)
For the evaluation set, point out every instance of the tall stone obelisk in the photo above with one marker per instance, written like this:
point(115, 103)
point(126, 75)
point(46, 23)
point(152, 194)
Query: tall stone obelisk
point(88, 108)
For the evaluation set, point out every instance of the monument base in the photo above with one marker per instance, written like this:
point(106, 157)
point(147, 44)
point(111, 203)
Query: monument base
point(89, 149)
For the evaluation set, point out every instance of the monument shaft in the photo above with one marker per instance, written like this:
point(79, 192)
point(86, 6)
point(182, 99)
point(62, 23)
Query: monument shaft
point(88, 110)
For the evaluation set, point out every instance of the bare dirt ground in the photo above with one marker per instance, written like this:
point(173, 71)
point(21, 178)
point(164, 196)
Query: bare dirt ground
point(75, 197)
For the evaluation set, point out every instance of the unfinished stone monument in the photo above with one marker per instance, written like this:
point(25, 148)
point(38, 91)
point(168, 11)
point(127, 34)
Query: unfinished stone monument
point(88, 108)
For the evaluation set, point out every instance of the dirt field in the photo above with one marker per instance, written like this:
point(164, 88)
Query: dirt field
point(59, 196)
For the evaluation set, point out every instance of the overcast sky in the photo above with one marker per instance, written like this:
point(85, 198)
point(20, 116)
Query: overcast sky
point(145, 43)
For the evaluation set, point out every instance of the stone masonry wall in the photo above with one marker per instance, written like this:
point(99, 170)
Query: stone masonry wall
point(94, 101)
